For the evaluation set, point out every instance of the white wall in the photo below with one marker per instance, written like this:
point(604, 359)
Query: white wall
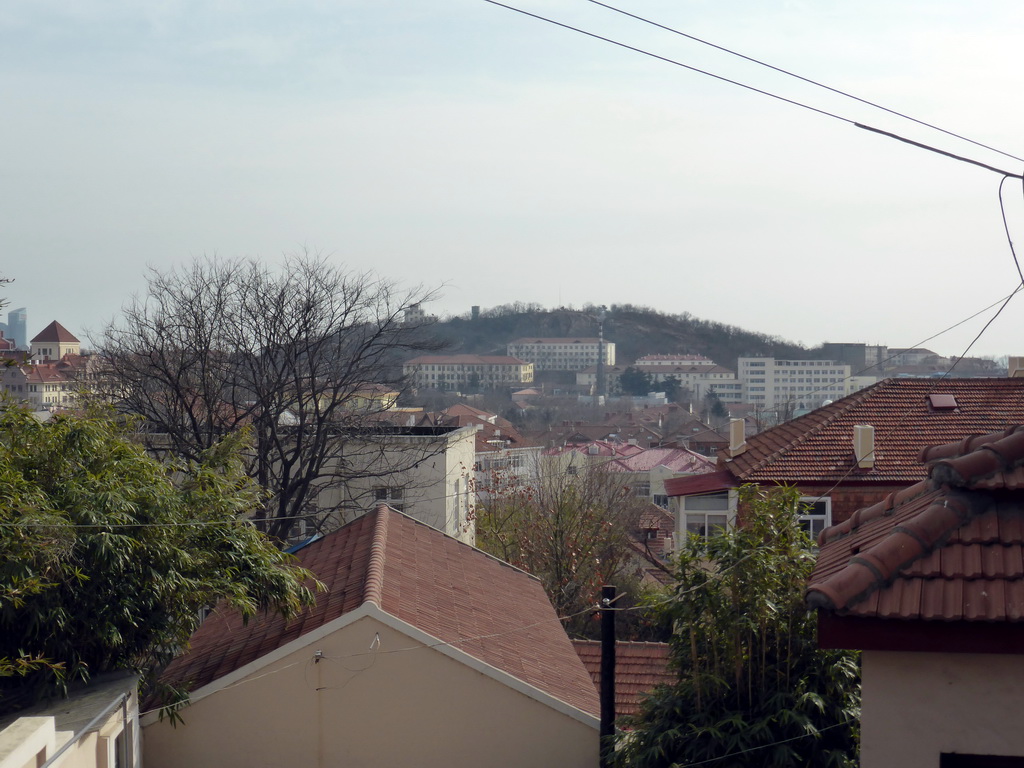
point(919, 705)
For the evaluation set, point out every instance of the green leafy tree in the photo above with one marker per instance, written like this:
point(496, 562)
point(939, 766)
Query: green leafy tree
point(753, 689)
point(107, 556)
point(633, 381)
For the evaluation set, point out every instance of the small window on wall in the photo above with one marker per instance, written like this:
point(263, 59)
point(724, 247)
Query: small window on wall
point(816, 514)
point(705, 524)
point(959, 760)
point(707, 514)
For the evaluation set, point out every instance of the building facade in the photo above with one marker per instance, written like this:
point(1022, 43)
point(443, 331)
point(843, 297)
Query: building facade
point(458, 372)
point(803, 384)
point(563, 354)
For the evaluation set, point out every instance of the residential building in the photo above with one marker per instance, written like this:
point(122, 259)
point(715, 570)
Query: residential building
point(459, 372)
point(421, 651)
point(929, 586)
point(674, 360)
point(699, 378)
point(800, 384)
point(427, 472)
point(95, 726)
point(563, 354)
point(48, 386)
point(848, 454)
point(53, 343)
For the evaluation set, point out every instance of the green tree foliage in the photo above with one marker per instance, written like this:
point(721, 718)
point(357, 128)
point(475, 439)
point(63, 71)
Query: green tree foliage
point(633, 381)
point(107, 556)
point(754, 689)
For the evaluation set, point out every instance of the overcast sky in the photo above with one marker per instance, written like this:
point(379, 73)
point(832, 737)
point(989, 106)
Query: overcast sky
point(455, 143)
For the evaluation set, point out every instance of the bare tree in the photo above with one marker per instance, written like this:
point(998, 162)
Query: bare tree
point(307, 359)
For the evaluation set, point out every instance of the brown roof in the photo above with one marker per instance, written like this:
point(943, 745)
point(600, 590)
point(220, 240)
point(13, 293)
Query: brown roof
point(639, 668)
point(950, 548)
point(445, 588)
point(819, 445)
point(57, 333)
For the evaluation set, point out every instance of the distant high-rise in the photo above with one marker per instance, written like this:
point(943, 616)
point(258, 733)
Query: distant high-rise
point(16, 327)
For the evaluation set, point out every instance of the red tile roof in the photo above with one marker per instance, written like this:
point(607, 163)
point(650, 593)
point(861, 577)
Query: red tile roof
point(456, 593)
point(819, 445)
point(639, 669)
point(949, 548)
point(674, 459)
point(57, 333)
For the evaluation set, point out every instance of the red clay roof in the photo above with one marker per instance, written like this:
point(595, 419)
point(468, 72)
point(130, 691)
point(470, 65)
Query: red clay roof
point(639, 668)
point(949, 548)
point(445, 588)
point(57, 333)
point(819, 445)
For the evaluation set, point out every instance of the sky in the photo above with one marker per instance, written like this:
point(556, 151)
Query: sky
point(465, 147)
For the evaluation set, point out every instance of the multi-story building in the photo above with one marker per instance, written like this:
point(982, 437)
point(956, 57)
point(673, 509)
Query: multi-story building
point(566, 354)
point(15, 329)
point(457, 372)
point(673, 360)
point(698, 377)
point(800, 384)
point(53, 342)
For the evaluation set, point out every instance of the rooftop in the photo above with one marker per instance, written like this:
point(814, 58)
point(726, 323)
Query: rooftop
point(949, 548)
point(454, 592)
point(639, 669)
point(55, 332)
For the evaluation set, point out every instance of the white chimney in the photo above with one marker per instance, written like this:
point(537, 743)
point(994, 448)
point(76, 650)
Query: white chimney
point(737, 437)
point(1016, 366)
point(864, 446)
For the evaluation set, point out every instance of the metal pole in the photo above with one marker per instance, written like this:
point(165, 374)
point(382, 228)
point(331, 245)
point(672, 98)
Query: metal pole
point(607, 674)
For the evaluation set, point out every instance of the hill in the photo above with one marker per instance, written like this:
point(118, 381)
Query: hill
point(636, 331)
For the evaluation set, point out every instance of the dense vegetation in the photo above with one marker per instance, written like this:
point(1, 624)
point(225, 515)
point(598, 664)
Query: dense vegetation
point(636, 331)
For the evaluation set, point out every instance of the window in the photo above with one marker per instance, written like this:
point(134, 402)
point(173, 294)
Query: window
point(391, 496)
point(816, 514)
point(707, 514)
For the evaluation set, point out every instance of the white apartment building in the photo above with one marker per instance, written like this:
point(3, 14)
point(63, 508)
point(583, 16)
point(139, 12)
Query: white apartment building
point(699, 378)
point(568, 354)
point(673, 360)
point(806, 384)
point(457, 372)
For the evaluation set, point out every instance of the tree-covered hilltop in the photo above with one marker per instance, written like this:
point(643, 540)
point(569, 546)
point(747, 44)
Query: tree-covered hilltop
point(636, 331)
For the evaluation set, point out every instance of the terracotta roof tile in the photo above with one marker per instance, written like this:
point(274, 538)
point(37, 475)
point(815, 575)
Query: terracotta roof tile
point(639, 669)
point(947, 548)
point(56, 332)
point(445, 588)
point(819, 445)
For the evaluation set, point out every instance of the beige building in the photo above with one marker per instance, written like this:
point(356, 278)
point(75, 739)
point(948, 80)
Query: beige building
point(425, 472)
point(558, 354)
point(422, 651)
point(928, 585)
point(96, 726)
point(53, 342)
point(458, 372)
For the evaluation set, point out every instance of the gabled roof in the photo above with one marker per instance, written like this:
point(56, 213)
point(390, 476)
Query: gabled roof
point(56, 332)
point(639, 669)
point(950, 548)
point(673, 459)
point(447, 589)
point(819, 445)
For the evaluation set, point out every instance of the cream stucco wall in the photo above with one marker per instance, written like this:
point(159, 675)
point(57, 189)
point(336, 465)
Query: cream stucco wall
point(378, 697)
point(919, 705)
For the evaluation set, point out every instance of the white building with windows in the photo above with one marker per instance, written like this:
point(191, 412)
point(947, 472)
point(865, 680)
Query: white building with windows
point(562, 354)
point(459, 372)
point(803, 384)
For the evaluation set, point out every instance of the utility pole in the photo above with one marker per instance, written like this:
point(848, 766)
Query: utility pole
point(607, 694)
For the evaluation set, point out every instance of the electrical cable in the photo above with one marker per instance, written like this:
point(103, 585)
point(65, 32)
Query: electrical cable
point(808, 80)
point(761, 91)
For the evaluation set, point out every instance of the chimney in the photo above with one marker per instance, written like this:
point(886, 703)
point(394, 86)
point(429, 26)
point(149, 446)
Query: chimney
point(864, 446)
point(737, 437)
point(1016, 366)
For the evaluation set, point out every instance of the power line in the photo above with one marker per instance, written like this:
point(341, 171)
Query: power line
point(817, 83)
point(761, 91)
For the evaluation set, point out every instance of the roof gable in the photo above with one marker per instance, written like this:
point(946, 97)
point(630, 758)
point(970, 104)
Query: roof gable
point(442, 587)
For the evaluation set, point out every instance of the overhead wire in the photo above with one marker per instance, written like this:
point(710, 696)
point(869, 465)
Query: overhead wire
point(762, 91)
point(810, 81)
